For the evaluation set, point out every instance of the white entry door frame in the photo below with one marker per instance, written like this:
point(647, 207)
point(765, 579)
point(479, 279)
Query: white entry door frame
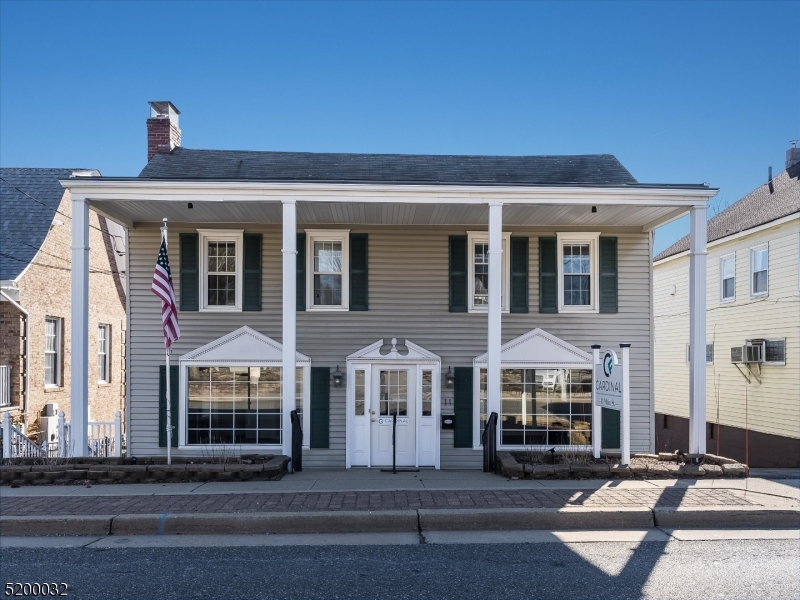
point(363, 389)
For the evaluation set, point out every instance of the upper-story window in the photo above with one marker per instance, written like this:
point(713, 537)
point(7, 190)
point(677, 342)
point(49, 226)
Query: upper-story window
point(221, 264)
point(727, 277)
point(577, 272)
point(52, 352)
point(478, 244)
point(103, 337)
point(759, 270)
point(328, 268)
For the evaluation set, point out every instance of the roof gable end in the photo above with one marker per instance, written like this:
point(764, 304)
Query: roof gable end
point(539, 348)
point(242, 345)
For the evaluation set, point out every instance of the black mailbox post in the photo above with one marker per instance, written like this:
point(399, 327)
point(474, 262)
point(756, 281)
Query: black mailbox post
point(297, 442)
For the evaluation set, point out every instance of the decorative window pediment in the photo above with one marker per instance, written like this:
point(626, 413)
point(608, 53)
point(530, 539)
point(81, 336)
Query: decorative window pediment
point(244, 345)
point(537, 348)
point(405, 351)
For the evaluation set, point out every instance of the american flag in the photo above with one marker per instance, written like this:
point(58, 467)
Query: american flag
point(162, 287)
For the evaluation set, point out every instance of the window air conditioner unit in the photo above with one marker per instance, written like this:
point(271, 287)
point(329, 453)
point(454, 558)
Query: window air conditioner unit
point(749, 353)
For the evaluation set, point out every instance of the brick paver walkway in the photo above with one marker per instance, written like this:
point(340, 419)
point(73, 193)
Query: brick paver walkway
point(393, 500)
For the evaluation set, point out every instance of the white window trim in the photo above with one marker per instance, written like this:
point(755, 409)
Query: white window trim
point(722, 260)
point(59, 326)
point(107, 328)
point(753, 250)
point(221, 235)
point(687, 353)
point(482, 237)
point(183, 403)
point(576, 237)
point(333, 235)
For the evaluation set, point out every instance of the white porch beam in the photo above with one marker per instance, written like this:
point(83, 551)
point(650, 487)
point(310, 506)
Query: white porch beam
point(289, 339)
point(494, 336)
point(671, 216)
point(79, 346)
point(697, 330)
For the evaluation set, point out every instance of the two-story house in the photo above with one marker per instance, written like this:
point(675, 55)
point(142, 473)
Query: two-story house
point(752, 344)
point(358, 288)
point(35, 303)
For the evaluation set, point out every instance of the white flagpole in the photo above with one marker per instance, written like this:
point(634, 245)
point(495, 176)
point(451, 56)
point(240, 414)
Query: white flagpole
point(164, 237)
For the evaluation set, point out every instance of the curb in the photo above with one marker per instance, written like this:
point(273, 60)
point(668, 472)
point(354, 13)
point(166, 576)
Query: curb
point(725, 517)
point(578, 517)
point(54, 525)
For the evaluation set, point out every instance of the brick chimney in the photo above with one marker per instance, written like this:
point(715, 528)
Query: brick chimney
point(792, 155)
point(163, 132)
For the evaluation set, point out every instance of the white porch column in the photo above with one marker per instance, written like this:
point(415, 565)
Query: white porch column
point(79, 348)
point(493, 378)
point(289, 338)
point(697, 330)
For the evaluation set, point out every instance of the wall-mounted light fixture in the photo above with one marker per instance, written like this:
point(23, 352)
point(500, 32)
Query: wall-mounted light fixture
point(594, 209)
point(191, 205)
point(449, 378)
point(337, 377)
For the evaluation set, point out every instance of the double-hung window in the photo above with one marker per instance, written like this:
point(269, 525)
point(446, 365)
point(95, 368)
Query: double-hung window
point(759, 270)
point(52, 352)
point(478, 244)
point(221, 266)
point(577, 272)
point(103, 337)
point(328, 270)
point(727, 278)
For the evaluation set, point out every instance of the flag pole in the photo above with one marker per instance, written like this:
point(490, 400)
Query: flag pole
point(164, 238)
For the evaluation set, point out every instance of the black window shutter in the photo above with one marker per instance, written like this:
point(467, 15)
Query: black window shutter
point(608, 275)
point(610, 428)
point(519, 274)
point(190, 273)
point(301, 271)
point(462, 407)
point(359, 272)
point(251, 288)
point(320, 406)
point(548, 275)
point(174, 384)
point(458, 273)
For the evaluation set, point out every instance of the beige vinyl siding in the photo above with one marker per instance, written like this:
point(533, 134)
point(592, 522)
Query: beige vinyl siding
point(773, 406)
point(408, 298)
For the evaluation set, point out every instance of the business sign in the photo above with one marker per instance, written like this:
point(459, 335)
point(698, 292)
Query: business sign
point(608, 382)
point(389, 420)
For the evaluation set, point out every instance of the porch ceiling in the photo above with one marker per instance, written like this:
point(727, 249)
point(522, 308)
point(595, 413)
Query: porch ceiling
point(132, 212)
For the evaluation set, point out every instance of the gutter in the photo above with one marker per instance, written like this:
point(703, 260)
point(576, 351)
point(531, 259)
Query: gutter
point(27, 357)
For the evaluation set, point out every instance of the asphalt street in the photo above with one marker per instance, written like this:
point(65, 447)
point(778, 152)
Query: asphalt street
point(662, 568)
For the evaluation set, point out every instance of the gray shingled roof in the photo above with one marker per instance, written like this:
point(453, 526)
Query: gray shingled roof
point(29, 199)
point(183, 163)
point(760, 206)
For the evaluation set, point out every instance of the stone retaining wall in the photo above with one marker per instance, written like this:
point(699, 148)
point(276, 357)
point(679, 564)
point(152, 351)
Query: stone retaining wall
point(152, 470)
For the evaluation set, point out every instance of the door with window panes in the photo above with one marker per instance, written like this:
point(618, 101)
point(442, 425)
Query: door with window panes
point(393, 390)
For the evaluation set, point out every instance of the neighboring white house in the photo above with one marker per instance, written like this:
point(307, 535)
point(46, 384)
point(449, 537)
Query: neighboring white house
point(752, 331)
point(359, 287)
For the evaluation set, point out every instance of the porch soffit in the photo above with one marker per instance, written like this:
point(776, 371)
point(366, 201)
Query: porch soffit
point(413, 353)
point(539, 348)
point(132, 212)
point(242, 345)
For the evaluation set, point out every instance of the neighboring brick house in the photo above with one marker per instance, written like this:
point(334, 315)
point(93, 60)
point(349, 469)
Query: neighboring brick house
point(35, 306)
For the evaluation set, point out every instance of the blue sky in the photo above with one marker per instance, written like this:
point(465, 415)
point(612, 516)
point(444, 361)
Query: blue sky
point(681, 92)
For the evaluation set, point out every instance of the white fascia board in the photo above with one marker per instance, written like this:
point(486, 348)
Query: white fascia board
point(250, 191)
point(734, 236)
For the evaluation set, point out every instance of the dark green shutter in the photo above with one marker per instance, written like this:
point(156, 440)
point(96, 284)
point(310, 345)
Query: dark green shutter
point(174, 385)
point(458, 273)
point(548, 275)
point(608, 275)
point(519, 274)
point(359, 273)
point(462, 407)
point(190, 272)
point(252, 272)
point(301, 271)
point(320, 406)
point(610, 428)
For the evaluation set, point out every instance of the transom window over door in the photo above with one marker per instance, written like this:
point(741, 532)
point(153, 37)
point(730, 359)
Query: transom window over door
point(478, 244)
point(577, 272)
point(328, 270)
point(221, 263)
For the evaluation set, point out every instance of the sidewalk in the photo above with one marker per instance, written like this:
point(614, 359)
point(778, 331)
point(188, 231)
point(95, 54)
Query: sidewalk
point(369, 500)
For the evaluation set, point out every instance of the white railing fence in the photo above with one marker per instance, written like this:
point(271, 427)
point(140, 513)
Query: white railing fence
point(5, 385)
point(104, 438)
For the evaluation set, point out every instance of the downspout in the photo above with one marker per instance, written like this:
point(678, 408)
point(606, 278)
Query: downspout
point(27, 356)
